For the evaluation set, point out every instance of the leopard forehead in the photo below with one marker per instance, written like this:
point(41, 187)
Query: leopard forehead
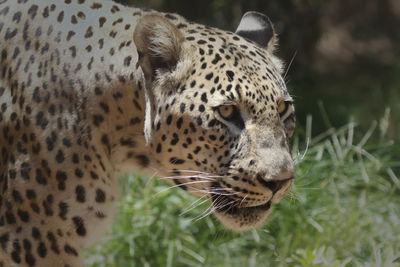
point(222, 67)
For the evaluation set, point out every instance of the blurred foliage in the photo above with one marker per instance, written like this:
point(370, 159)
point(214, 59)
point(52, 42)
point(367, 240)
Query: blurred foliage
point(347, 52)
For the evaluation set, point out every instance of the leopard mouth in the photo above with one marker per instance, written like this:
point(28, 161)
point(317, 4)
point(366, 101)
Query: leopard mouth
point(236, 217)
point(227, 205)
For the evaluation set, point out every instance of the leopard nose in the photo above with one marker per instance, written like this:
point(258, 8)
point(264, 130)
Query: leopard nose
point(275, 186)
point(279, 185)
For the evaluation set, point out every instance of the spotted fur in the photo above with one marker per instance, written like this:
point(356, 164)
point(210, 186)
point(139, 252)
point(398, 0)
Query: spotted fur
point(91, 89)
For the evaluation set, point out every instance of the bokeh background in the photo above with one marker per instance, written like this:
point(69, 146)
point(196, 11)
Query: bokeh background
point(344, 208)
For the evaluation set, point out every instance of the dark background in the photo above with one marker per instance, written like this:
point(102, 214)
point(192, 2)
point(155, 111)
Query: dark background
point(346, 56)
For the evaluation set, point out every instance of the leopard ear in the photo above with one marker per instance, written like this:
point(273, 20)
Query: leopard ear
point(158, 43)
point(258, 28)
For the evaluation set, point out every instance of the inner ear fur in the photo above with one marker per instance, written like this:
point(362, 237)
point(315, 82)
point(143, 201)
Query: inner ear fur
point(158, 42)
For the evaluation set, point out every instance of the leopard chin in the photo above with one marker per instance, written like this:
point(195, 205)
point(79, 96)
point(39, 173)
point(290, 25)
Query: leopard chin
point(239, 218)
point(243, 219)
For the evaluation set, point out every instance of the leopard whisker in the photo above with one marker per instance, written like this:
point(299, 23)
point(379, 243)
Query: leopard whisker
point(179, 185)
point(225, 204)
point(290, 64)
point(213, 193)
point(213, 208)
point(210, 211)
point(189, 176)
point(190, 171)
point(221, 189)
point(199, 173)
point(194, 205)
point(243, 199)
point(207, 210)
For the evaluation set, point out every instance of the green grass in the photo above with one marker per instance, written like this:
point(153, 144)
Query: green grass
point(343, 210)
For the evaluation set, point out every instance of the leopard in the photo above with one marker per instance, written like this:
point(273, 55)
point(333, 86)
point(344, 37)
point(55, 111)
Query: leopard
point(90, 90)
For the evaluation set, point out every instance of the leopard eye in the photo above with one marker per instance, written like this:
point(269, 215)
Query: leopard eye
point(287, 117)
point(226, 112)
point(231, 114)
point(283, 106)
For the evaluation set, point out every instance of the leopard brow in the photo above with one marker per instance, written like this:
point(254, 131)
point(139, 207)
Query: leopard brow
point(224, 104)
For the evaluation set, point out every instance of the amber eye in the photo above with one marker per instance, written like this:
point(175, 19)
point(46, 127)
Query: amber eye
point(226, 112)
point(231, 114)
point(283, 107)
